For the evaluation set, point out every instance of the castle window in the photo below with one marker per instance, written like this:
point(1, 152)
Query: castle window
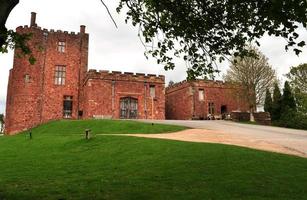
point(45, 34)
point(67, 107)
point(61, 46)
point(211, 108)
point(27, 78)
point(201, 95)
point(60, 75)
point(152, 90)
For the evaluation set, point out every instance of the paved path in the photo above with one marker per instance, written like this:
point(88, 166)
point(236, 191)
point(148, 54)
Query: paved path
point(277, 139)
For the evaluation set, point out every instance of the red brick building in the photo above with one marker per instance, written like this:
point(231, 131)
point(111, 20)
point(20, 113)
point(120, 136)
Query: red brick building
point(59, 85)
point(127, 95)
point(200, 99)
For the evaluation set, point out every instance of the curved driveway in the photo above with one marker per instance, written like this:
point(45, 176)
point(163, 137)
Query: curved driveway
point(291, 139)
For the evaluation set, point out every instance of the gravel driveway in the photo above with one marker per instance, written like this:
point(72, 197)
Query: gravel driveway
point(276, 139)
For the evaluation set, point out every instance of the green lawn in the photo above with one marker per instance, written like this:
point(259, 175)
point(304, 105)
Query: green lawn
point(66, 127)
point(66, 166)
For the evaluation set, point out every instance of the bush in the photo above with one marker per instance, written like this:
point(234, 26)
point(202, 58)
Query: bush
point(292, 119)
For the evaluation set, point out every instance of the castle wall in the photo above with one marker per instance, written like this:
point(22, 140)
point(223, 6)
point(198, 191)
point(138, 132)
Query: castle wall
point(183, 99)
point(179, 102)
point(103, 92)
point(24, 96)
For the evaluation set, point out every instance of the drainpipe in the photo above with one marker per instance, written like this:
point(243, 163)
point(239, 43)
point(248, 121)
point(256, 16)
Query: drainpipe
point(113, 98)
point(152, 107)
point(145, 99)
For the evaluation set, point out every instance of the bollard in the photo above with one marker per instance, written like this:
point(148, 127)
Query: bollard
point(87, 133)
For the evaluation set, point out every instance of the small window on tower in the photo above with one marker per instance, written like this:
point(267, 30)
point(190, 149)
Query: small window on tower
point(45, 34)
point(61, 46)
point(60, 75)
point(201, 94)
point(27, 78)
point(152, 91)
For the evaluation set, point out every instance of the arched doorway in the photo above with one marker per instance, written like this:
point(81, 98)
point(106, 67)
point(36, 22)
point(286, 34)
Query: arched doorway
point(128, 108)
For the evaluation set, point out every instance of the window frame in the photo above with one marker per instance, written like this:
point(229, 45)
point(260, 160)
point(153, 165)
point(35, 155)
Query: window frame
point(152, 91)
point(201, 94)
point(67, 114)
point(27, 78)
point(211, 108)
point(61, 46)
point(60, 75)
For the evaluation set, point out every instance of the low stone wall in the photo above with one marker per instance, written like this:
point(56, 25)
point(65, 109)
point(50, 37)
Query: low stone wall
point(263, 118)
point(240, 116)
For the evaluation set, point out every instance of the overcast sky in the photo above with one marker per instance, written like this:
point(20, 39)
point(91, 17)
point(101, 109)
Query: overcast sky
point(116, 49)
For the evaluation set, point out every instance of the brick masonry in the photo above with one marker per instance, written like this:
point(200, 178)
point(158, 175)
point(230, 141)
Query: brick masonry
point(183, 99)
point(38, 99)
point(34, 98)
point(103, 92)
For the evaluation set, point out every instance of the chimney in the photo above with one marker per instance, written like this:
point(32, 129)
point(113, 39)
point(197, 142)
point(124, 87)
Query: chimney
point(33, 19)
point(82, 29)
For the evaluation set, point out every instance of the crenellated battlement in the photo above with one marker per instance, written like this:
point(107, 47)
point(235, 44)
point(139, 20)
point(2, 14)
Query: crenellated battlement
point(49, 31)
point(33, 26)
point(199, 82)
point(123, 76)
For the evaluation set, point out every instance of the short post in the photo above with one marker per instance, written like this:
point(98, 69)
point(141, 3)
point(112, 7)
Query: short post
point(87, 133)
point(30, 135)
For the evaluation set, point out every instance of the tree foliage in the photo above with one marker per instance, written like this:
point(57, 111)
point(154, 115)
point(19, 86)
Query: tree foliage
point(253, 74)
point(298, 77)
point(298, 80)
point(9, 39)
point(301, 101)
point(276, 107)
point(268, 102)
point(287, 101)
point(171, 83)
point(292, 119)
point(203, 32)
point(288, 115)
point(6, 6)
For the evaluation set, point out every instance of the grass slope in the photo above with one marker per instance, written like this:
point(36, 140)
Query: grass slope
point(66, 127)
point(53, 166)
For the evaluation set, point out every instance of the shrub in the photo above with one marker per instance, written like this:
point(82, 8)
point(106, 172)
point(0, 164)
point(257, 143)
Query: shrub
point(292, 119)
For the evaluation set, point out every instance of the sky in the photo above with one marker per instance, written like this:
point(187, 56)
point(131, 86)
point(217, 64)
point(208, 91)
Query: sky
point(118, 49)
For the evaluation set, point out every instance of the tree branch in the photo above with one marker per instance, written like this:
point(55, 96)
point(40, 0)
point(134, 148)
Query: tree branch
point(5, 9)
point(109, 13)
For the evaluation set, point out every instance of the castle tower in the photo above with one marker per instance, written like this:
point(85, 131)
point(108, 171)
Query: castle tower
point(51, 88)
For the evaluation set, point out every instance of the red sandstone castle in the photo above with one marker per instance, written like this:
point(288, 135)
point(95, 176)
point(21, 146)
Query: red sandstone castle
point(59, 86)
